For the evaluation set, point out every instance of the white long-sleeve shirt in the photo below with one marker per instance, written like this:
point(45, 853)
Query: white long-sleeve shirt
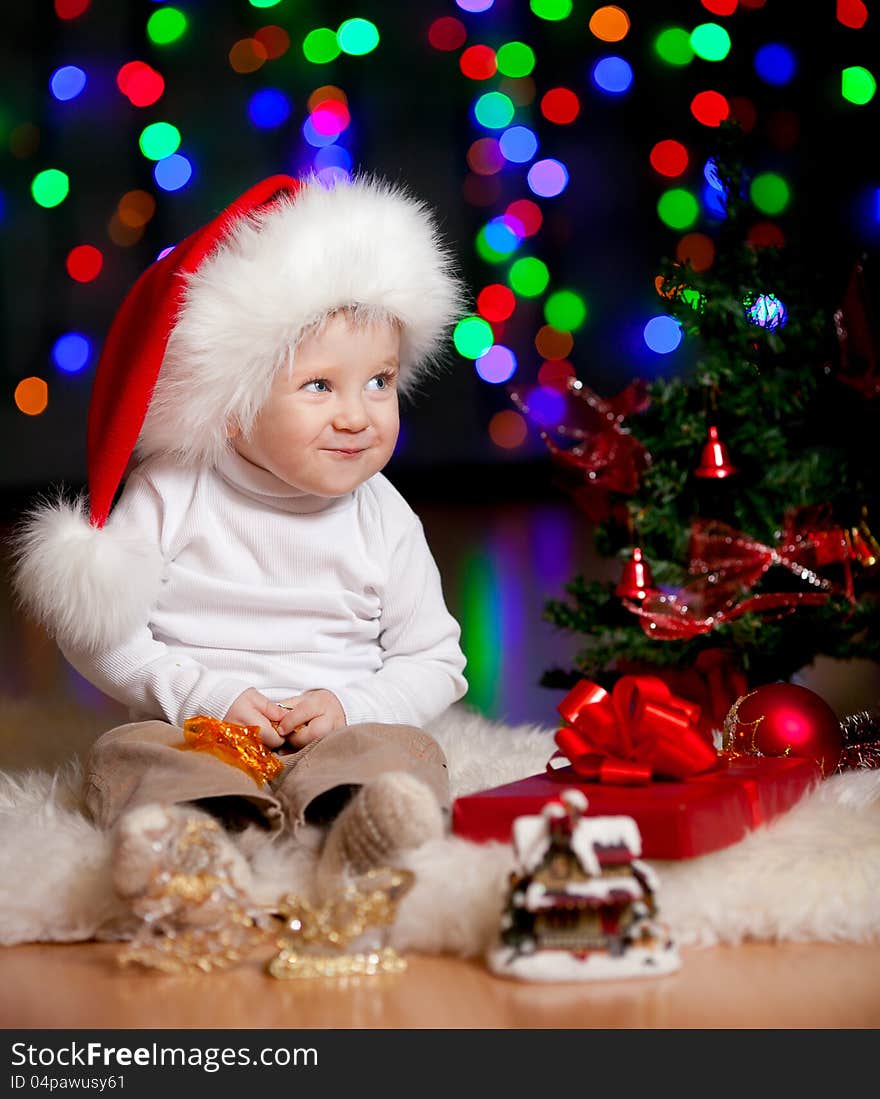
point(268, 587)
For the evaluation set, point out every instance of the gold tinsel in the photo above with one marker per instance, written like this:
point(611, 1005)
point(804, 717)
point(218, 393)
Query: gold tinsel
point(196, 919)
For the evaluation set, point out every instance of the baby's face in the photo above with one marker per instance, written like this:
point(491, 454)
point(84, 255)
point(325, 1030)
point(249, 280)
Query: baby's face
point(333, 421)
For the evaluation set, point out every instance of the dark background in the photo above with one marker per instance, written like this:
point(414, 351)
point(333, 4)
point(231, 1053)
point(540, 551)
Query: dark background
point(411, 121)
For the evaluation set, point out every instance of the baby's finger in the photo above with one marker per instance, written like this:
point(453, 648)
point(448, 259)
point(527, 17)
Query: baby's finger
point(305, 709)
point(275, 712)
point(270, 736)
point(315, 729)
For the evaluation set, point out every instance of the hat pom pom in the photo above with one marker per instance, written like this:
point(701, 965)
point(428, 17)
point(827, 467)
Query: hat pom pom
point(88, 586)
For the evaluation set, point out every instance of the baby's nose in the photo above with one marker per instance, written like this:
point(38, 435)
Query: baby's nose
point(351, 416)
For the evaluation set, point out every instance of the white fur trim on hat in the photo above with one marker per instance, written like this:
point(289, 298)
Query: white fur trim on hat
point(87, 585)
point(363, 243)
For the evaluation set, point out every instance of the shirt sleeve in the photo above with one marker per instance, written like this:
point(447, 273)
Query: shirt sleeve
point(141, 672)
point(422, 661)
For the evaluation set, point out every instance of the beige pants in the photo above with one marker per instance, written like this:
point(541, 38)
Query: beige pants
point(142, 762)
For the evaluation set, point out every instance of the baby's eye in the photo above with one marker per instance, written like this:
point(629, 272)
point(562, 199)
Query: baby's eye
point(381, 381)
point(317, 385)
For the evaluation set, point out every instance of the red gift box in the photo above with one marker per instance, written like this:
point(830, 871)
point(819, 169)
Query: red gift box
point(678, 820)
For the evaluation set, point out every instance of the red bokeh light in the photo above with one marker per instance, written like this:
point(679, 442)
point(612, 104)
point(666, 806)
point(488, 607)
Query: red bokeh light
point(669, 158)
point(765, 234)
point(485, 157)
point(528, 214)
point(720, 7)
point(496, 303)
point(560, 105)
point(743, 111)
point(852, 13)
point(555, 374)
point(274, 40)
point(84, 263)
point(140, 83)
point(710, 108)
point(70, 9)
point(478, 62)
point(447, 33)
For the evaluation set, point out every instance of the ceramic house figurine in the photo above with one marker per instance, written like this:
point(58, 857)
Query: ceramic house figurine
point(581, 904)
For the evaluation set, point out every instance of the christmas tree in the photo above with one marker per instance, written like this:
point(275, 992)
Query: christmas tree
point(748, 486)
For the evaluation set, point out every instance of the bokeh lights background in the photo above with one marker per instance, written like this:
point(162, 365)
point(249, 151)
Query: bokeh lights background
point(565, 145)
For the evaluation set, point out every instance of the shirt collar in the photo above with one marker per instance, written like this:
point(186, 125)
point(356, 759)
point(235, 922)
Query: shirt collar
point(261, 485)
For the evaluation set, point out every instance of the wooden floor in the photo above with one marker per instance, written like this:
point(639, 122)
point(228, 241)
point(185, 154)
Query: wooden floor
point(755, 986)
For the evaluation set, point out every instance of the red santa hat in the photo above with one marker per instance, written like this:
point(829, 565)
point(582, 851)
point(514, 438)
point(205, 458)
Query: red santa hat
point(198, 341)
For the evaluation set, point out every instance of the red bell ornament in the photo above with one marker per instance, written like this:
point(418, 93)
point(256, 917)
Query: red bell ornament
point(635, 579)
point(715, 461)
point(782, 719)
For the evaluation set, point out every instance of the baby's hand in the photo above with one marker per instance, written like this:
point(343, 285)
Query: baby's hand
point(253, 708)
point(319, 711)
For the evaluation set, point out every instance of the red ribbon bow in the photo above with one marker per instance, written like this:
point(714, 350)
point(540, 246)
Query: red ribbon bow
point(605, 458)
point(638, 732)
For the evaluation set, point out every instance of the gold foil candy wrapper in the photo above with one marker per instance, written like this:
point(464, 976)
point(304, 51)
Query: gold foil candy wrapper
point(238, 745)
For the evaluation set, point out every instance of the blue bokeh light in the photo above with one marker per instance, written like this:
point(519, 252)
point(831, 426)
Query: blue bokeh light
point(546, 405)
point(71, 352)
point(67, 82)
point(612, 75)
point(662, 334)
point(775, 63)
point(518, 144)
point(173, 172)
point(501, 236)
point(268, 108)
point(333, 156)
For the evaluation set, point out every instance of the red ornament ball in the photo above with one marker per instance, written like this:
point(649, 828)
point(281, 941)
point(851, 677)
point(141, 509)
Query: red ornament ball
point(783, 719)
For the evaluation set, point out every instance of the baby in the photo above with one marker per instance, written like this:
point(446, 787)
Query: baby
point(257, 567)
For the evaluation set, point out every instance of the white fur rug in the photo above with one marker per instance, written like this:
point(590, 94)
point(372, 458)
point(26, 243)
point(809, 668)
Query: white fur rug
point(811, 875)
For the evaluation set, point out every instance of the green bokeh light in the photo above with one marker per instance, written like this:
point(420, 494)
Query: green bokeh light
point(50, 188)
point(678, 208)
point(565, 310)
point(357, 37)
point(710, 42)
point(264, 3)
point(515, 59)
point(482, 629)
point(166, 25)
point(674, 46)
point(320, 46)
point(528, 277)
point(551, 10)
point(770, 193)
point(494, 110)
point(158, 140)
point(857, 85)
point(472, 337)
